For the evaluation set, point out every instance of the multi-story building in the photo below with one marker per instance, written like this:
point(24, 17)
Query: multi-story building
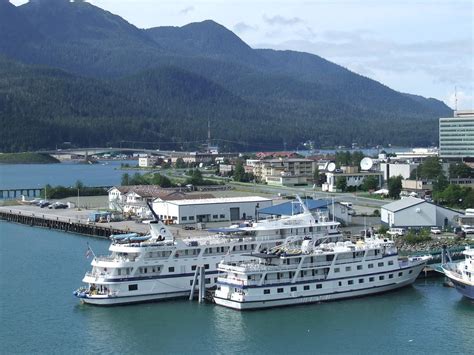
point(292, 171)
point(456, 135)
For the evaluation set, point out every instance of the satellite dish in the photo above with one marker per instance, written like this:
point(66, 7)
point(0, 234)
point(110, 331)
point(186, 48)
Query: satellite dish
point(331, 167)
point(366, 163)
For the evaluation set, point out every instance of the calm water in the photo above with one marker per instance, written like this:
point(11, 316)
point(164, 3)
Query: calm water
point(66, 174)
point(38, 314)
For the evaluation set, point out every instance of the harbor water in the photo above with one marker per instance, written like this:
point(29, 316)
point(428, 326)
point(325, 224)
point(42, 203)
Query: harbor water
point(41, 268)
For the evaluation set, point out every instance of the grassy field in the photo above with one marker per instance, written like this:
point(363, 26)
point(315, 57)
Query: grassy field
point(27, 158)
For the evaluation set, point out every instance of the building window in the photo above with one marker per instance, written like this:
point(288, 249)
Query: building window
point(280, 290)
point(222, 216)
point(191, 218)
point(266, 292)
point(133, 287)
point(215, 216)
point(184, 218)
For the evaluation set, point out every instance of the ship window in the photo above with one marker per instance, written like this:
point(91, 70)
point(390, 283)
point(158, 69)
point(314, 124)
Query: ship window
point(206, 266)
point(215, 279)
point(390, 262)
point(133, 287)
point(193, 267)
point(381, 277)
point(336, 269)
point(171, 269)
point(380, 264)
point(306, 288)
point(400, 273)
point(350, 282)
point(371, 266)
point(359, 267)
point(390, 276)
point(293, 289)
point(266, 292)
point(145, 270)
point(208, 280)
point(410, 271)
point(280, 290)
point(348, 268)
point(319, 285)
point(361, 281)
point(340, 283)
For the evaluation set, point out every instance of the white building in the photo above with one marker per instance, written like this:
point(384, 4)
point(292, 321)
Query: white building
point(292, 171)
point(456, 135)
point(210, 209)
point(147, 161)
point(412, 212)
point(395, 169)
point(352, 179)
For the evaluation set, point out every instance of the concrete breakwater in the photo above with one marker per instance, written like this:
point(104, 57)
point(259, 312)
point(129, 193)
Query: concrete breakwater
point(61, 224)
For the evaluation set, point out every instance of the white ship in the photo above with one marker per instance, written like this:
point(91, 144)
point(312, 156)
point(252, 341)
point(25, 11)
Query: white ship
point(316, 271)
point(159, 266)
point(462, 274)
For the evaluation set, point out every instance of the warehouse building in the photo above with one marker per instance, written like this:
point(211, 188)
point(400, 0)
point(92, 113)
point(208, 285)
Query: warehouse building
point(412, 212)
point(210, 209)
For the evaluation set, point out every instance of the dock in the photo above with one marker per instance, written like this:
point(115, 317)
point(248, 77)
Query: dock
point(63, 223)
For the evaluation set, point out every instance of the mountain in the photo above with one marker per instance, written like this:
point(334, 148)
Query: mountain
point(112, 81)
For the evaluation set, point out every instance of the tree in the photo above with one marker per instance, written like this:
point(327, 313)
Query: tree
point(316, 176)
point(460, 170)
point(440, 184)
point(395, 186)
point(125, 181)
point(79, 185)
point(341, 183)
point(239, 171)
point(161, 180)
point(356, 158)
point(430, 169)
point(370, 183)
point(180, 164)
point(195, 177)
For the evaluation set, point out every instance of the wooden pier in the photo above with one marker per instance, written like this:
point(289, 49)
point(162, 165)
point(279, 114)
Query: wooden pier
point(63, 224)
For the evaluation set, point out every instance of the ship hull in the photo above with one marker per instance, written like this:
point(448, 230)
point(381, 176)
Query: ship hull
point(316, 298)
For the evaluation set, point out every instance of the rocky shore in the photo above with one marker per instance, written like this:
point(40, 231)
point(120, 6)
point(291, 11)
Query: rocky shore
point(434, 244)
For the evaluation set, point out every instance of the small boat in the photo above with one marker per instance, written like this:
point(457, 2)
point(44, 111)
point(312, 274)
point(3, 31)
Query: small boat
point(462, 274)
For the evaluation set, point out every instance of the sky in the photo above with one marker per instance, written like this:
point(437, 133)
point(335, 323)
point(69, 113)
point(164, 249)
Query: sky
point(416, 46)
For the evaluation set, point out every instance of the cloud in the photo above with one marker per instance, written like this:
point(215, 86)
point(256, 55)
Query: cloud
point(186, 10)
point(278, 20)
point(243, 27)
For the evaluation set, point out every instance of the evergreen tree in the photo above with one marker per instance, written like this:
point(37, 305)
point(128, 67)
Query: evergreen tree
point(341, 183)
point(125, 181)
point(239, 172)
point(395, 186)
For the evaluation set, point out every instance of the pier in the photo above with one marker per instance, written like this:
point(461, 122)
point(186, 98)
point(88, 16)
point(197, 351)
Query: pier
point(11, 194)
point(59, 223)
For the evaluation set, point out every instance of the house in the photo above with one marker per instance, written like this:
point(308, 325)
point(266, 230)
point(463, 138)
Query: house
point(412, 212)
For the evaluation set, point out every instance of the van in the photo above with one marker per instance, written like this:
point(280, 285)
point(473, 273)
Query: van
point(396, 232)
point(347, 204)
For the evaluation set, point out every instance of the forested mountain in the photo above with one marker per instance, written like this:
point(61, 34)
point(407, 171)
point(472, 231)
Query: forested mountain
point(91, 78)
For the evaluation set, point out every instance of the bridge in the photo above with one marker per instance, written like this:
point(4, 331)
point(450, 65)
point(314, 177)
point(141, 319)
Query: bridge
point(93, 151)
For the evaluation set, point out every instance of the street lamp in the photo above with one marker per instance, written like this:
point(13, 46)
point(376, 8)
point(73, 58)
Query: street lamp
point(257, 206)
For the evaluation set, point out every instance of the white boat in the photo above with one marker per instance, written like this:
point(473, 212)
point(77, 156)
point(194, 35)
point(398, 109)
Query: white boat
point(318, 271)
point(462, 274)
point(160, 266)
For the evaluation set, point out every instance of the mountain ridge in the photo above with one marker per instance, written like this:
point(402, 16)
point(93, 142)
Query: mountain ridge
point(291, 96)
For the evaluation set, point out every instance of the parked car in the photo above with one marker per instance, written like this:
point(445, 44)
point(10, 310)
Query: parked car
point(44, 204)
point(57, 205)
point(396, 232)
point(435, 230)
point(468, 229)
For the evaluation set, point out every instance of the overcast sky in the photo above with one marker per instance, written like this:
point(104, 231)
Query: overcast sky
point(415, 46)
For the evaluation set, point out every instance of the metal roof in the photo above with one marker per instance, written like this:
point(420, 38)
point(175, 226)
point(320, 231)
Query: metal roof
point(206, 201)
point(403, 203)
point(289, 208)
